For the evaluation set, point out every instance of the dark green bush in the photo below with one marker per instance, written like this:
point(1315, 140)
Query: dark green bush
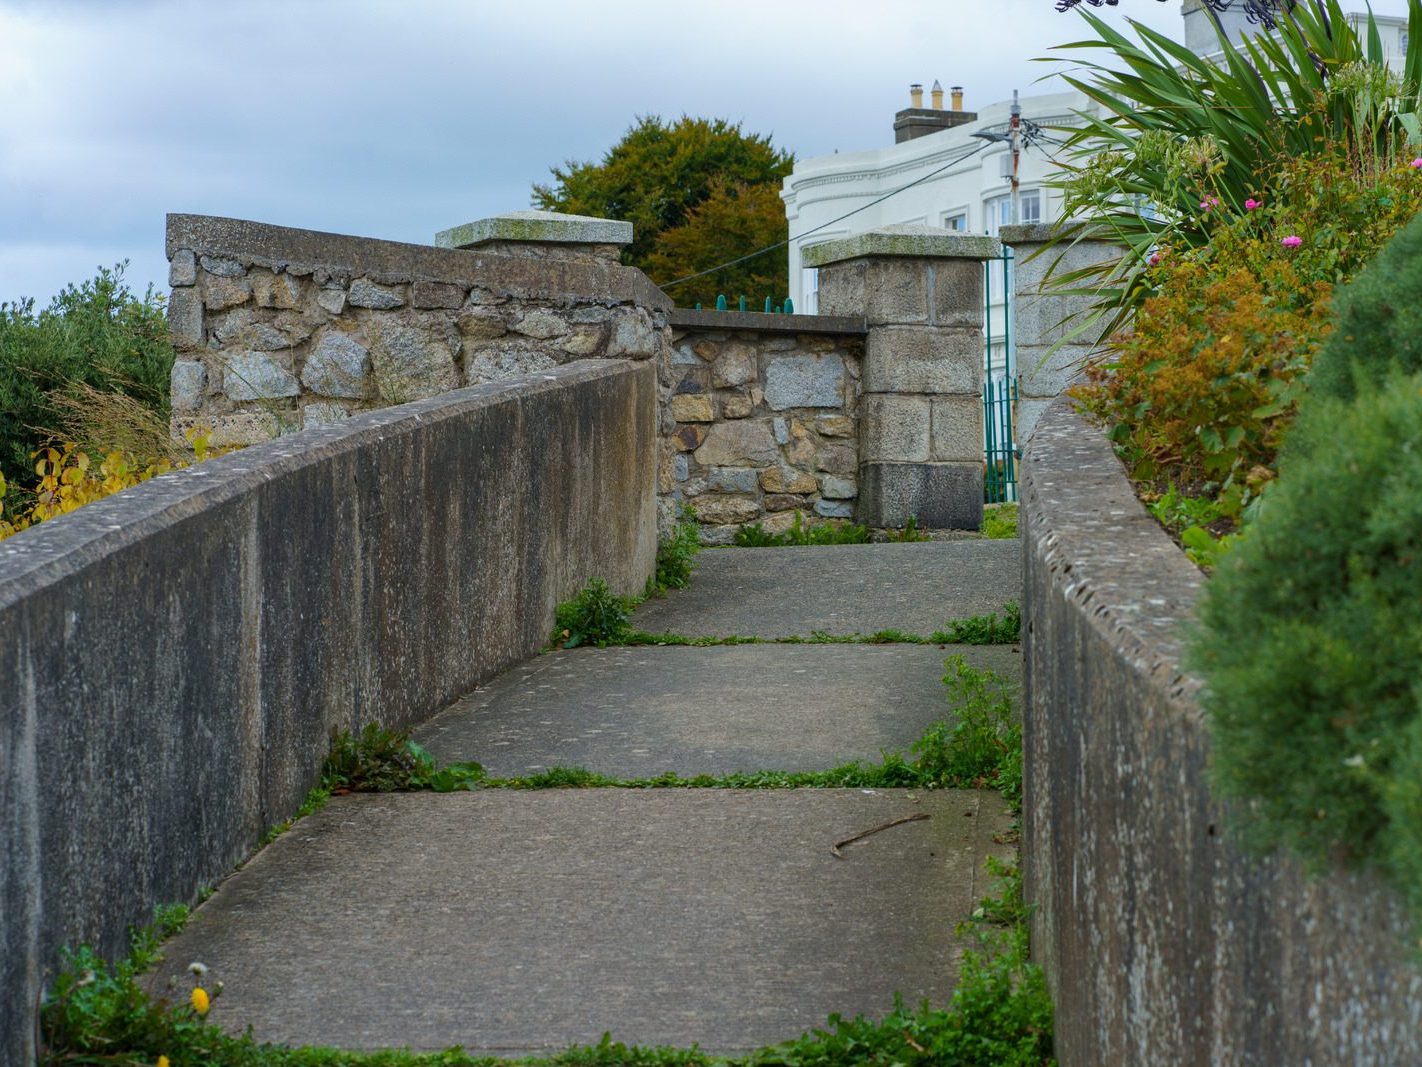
point(1378, 321)
point(97, 334)
point(1310, 639)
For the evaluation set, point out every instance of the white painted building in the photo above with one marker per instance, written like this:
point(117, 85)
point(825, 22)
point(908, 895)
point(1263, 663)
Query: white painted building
point(964, 183)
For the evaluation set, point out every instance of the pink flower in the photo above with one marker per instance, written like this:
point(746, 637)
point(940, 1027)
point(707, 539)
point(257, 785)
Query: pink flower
point(1154, 260)
point(1209, 202)
point(1417, 163)
point(1251, 204)
point(1292, 241)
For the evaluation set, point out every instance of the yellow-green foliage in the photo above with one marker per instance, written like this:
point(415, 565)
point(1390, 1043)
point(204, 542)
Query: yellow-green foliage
point(1203, 388)
point(69, 479)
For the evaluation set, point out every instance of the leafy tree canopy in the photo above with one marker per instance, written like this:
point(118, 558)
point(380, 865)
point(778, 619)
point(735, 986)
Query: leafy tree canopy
point(698, 192)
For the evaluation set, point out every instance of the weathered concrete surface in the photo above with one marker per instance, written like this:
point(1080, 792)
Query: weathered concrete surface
point(844, 589)
point(281, 247)
point(513, 923)
point(636, 712)
point(174, 658)
point(1162, 941)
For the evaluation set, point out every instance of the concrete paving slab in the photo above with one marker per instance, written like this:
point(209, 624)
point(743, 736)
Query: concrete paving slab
point(636, 712)
point(840, 589)
point(519, 923)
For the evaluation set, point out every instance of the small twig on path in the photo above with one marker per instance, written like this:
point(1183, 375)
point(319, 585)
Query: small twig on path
point(835, 848)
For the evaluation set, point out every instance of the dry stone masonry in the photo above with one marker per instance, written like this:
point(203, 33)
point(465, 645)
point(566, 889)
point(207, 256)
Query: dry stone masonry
point(762, 419)
point(869, 412)
point(280, 329)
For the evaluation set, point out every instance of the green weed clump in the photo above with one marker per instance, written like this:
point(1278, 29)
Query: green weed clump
point(983, 629)
point(597, 616)
point(1309, 641)
point(999, 522)
point(676, 556)
point(96, 336)
point(380, 760)
point(799, 535)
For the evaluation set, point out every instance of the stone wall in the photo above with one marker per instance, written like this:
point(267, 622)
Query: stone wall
point(280, 329)
point(762, 419)
point(174, 657)
point(1162, 941)
point(919, 290)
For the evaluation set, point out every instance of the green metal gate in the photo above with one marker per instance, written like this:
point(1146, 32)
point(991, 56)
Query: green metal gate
point(999, 388)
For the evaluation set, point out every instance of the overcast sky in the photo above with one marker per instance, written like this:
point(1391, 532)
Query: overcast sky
point(397, 118)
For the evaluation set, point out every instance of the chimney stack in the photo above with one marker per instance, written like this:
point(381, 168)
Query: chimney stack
point(919, 121)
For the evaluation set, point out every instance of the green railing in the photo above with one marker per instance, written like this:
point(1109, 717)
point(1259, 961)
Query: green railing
point(771, 307)
point(999, 391)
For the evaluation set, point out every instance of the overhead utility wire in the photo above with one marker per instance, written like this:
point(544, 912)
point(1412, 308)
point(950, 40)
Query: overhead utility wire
point(863, 207)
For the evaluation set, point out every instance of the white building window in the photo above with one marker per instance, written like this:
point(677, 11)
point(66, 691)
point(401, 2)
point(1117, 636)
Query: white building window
point(810, 287)
point(997, 211)
point(955, 220)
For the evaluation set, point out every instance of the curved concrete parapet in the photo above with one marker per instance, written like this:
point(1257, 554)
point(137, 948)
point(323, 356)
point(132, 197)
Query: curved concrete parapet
point(174, 658)
point(1162, 942)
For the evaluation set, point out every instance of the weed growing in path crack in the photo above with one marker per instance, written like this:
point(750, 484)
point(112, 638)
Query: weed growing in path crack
point(596, 616)
point(980, 748)
point(984, 629)
point(676, 556)
point(801, 535)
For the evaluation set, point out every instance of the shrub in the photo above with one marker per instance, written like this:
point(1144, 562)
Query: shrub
point(1309, 641)
point(1203, 388)
point(96, 334)
point(1378, 320)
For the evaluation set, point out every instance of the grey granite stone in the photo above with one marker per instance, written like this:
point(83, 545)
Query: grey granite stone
point(187, 385)
point(338, 365)
point(257, 376)
point(804, 382)
point(367, 294)
point(222, 267)
point(182, 269)
point(185, 319)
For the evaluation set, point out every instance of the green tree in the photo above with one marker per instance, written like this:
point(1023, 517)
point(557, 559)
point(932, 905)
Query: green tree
point(659, 175)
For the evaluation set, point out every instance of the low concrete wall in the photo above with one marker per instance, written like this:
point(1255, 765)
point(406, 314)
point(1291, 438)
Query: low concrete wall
point(1162, 942)
point(174, 658)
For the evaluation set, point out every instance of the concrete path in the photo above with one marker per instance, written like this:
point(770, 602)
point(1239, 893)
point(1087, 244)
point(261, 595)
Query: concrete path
point(841, 589)
point(636, 712)
point(517, 922)
point(522, 922)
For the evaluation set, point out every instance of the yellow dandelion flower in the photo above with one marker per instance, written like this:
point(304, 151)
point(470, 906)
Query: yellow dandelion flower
point(162, 1061)
point(200, 1001)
